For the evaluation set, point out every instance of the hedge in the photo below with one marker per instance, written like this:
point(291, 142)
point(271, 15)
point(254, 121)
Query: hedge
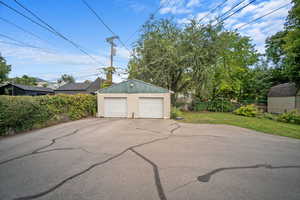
point(22, 113)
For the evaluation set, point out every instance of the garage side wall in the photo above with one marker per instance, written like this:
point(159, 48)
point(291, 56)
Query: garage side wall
point(281, 104)
point(133, 102)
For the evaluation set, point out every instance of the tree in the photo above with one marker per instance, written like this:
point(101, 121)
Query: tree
point(235, 56)
point(66, 79)
point(201, 60)
point(24, 80)
point(283, 48)
point(174, 58)
point(4, 70)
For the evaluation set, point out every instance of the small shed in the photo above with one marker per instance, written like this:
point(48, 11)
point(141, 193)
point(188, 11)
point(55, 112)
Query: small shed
point(22, 90)
point(283, 98)
point(134, 99)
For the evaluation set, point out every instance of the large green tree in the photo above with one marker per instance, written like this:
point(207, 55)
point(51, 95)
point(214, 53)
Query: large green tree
point(4, 70)
point(283, 48)
point(201, 60)
point(173, 57)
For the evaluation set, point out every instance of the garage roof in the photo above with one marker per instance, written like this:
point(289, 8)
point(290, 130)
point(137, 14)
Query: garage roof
point(133, 86)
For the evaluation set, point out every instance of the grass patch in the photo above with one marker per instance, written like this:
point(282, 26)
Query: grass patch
point(257, 124)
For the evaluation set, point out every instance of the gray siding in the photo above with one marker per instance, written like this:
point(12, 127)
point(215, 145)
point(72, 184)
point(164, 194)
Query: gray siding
point(281, 104)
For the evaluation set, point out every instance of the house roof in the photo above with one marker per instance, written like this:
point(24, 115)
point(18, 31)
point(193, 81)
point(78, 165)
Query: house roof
point(133, 86)
point(283, 90)
point(93, 86)
point(74, 86)
point(31, 88)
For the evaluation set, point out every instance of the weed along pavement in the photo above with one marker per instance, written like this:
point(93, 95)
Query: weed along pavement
point(148, 159)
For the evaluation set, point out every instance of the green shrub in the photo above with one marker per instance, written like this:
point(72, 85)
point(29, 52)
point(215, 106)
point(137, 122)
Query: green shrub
point(217, 105)
point(290, 117)
point(269, 116)
point(175, 112)
point(21, 113)
point(248, 111)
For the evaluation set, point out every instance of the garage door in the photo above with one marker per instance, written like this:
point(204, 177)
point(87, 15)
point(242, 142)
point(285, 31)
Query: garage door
point(151, 107)
point(115, 107)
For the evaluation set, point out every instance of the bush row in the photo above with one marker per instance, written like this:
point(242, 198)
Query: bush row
point(217, 105)
point(292, 117)
point(21, 113)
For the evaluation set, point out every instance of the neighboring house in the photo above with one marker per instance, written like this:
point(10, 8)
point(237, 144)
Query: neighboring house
point(23, 90)
point(80, 88)
point(283, 98)
point(134, 99)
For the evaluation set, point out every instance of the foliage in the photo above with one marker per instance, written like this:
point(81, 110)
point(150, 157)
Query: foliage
point(201, 59)
point(24, 80)
point(4, 69)
point(175, 112)
point(216, 105)
point(254, 123)
point(248, 111)
point(283, 48)
point(20, 113)
point(290, 117)
point(65, 78)
point(269, 116)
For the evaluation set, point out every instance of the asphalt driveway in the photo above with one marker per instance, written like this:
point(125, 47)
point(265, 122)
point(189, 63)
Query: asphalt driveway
point(101, 159)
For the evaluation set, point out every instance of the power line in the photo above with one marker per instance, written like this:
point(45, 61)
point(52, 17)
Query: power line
point(213, 10)
point(20, 28)
point(237, 11)
point(106, 26)
point(47, 27)
point(57, 33)
point(232, 8)
point(258, 18)
point(20, 43)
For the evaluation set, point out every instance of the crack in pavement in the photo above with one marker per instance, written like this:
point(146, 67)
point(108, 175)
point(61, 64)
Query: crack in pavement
point(62, 182)
point(53, 141)
point(39, 150)
point(183, 185)
point(206, 177)
point(158, 184)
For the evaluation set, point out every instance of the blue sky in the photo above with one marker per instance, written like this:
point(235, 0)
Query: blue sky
point(74, 20)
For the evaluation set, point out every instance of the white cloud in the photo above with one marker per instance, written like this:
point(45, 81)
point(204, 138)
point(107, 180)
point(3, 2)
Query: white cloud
point(193, 3)
point(174, 7)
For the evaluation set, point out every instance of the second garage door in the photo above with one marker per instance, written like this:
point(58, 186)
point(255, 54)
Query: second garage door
point(115, 107)
point(151, 107)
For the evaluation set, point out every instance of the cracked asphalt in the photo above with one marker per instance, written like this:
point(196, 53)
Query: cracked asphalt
point(114, 159)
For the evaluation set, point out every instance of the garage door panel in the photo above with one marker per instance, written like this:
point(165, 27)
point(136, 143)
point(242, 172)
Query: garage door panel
point(151, 107)
point(115, 107)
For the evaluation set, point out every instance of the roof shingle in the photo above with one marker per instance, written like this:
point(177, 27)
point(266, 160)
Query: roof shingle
point(283, 90)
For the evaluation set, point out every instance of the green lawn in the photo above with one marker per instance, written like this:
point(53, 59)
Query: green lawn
point(257, 124)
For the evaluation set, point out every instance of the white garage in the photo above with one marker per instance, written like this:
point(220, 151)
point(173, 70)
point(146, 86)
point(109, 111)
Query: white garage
point(134, 99)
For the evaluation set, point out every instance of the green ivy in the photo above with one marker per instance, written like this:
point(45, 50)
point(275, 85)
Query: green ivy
point(21, 113)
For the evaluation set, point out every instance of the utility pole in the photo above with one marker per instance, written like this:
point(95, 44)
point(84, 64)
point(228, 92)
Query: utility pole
point(110, 70)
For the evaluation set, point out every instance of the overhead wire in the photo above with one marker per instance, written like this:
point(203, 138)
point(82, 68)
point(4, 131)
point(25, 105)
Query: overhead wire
point(47, 27)
point(258, 18)
point(21, 28)
point(105, 24)
point(213, 10)
point(21, 43)
point(235, 12)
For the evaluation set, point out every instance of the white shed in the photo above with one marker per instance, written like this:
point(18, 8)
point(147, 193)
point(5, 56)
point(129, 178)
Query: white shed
point(283, 98)
point(134, 99)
